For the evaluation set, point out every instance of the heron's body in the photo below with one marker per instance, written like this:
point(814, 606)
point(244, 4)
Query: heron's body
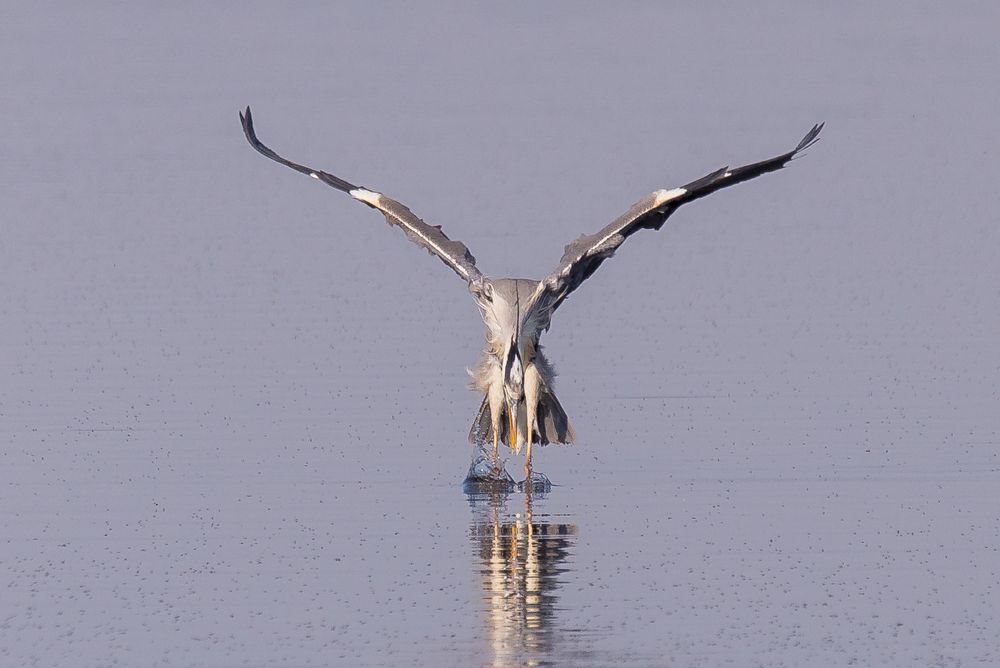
point(519, 405)
point(536, 406)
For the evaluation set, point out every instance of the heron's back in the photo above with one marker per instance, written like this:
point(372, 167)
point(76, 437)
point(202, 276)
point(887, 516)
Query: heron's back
point(505, 313)
point(514, 290)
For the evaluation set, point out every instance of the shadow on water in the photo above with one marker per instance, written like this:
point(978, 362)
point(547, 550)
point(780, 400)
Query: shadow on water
point(521, 557)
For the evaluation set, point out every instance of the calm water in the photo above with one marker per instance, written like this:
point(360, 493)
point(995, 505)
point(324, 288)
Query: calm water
point(234, 408)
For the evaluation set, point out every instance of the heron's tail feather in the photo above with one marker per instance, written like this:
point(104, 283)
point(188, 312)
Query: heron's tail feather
point(482, 431)
point(553, 425)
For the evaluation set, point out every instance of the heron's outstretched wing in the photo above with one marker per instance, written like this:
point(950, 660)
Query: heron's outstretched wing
point(583, 256)
point(453, 253)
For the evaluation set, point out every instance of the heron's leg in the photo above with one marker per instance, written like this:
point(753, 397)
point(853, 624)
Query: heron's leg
point(532, 383)
point(531, 422)
point(527, 456)
point(495, 398)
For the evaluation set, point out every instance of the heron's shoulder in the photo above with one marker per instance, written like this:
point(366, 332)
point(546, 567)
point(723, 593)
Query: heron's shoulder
point(512, 288)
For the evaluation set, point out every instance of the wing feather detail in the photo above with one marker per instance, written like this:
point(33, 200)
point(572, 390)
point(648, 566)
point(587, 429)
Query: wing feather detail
point(585, 255)
point(453, 253)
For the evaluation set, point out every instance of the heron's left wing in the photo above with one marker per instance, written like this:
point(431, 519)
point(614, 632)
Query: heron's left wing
point(455, 254)
point(583, 256)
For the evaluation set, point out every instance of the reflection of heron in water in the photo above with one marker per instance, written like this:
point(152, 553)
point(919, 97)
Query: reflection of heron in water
point(519, 404)
point(521, 560)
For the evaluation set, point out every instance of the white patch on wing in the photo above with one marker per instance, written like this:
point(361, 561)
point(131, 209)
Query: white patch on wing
point(314, 175)
point(664, 196)
point(400, 215)
point(366, 196)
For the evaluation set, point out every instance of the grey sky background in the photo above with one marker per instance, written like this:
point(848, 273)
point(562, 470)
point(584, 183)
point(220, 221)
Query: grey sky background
point(204, 351)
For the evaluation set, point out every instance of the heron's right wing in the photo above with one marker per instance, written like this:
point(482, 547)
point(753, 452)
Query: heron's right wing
point(583, 256)
point(453, 253)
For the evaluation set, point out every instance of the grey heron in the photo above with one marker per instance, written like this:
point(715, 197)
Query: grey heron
point(516, 380)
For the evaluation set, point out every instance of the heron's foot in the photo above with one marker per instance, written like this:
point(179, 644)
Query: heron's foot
point(487, 475)
point(498, 470)
point(535, 482)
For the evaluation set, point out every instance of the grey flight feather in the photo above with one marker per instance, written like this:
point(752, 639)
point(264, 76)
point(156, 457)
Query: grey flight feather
point(455, 254)
point(583, 256)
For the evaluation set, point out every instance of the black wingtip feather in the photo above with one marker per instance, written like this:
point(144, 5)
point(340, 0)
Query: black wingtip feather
point(811, 138)
point(247, 120)
point(727, 177)
point(706, 180)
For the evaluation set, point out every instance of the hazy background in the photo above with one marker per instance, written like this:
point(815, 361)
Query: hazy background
point(233, 402)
